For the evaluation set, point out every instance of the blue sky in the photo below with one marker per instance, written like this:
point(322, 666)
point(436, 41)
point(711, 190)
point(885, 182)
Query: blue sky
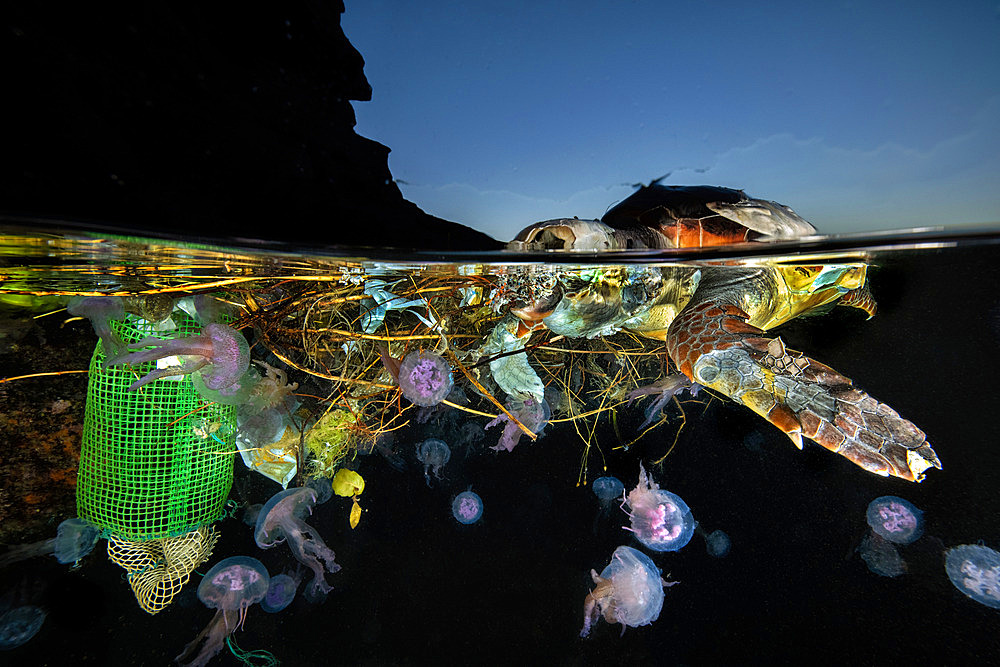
point(859, 115)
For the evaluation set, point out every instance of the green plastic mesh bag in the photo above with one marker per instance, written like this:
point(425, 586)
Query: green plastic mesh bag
point(158, 461)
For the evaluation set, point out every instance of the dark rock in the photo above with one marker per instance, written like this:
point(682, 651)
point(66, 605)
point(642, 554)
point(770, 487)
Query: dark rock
point(200, 120)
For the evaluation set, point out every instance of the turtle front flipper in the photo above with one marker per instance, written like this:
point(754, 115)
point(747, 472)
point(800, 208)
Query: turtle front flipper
point(714, 345)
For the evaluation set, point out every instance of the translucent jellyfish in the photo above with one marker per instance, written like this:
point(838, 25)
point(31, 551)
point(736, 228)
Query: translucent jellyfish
point(881, 556)
point(282, 519)
point(629, 591)
point(425, 378)
point(660, 519)
point(230, 587)
point(220, 355)
point(434, 454)
point(280, 592)
point(895, 519)
point(467, 507)
point(717, 543)
point(975, 570)
point(101, 310)
point(75, 538)
point(534, 415)
point(19, 625)
point(608, 490)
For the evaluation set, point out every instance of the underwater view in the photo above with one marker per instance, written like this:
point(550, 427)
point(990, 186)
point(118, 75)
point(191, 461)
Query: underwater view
point(760, 452)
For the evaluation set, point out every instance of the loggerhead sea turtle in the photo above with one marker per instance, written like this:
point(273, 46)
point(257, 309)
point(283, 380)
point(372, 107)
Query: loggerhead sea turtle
point(713, 316)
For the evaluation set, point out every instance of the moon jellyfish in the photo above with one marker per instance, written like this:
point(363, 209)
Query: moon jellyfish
point(895, 519)
point(660, 519)
point(608, 489)
point(19, 625)
point(75, 538)
point(280, 593)
point(425, 378)
point(467, 507)
point(628, 591)
point(434, 454)
point(231, 587)
point(975, 570)
point(717, 543)
point(881, 556)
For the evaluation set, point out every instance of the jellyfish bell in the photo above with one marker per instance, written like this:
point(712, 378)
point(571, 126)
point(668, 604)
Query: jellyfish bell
point(230, 587)
point(280, 593)
point(467, 508)
point(19, 625)
point(659, 519)
point(881, 556)
point(895, 519)
point(717, 542)
point(628, 591)
point(75, 538)
point(425, 378)
point(434, 454)
point(234, 583)
point(974, 570)
point(608, 489)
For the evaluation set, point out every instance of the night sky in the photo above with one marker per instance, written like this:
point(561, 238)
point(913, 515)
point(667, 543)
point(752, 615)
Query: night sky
point(861, 116)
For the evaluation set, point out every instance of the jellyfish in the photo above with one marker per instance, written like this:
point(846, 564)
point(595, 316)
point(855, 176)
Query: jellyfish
point(280, 592)
point(895, 519)
point(261, 429)
point(665, 389)
point(425, 378)
point(19, 625)
point(467, 507)
point(220, 355)
point(534, 416)
point(975, 571)
point(101, 310)
point(230, 588)
point(75, 538)
point(281, 519)
point(608, 490)
point(660, 519)
point(881, 556)
point(21, 613)
point(434, 454)
point(628, 591)
point(717, 543)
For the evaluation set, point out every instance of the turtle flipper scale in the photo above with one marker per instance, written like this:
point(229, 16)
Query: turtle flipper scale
point(715, 347)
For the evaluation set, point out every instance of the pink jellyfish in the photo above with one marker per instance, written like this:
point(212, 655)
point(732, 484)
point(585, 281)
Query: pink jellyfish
point(220, 355)
point(660, 519)
point(230, 587)
point(628, 591)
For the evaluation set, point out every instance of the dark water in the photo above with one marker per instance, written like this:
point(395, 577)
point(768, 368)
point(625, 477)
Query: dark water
point(416, 586)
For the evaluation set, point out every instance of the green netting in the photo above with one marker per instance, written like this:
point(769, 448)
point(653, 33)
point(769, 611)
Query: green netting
point(157, 461)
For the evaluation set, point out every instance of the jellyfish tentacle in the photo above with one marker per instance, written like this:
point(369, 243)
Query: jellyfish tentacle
point(714, 345)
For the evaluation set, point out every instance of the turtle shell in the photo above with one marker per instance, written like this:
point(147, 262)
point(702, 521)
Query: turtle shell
point(693, 216)
point(670, 216)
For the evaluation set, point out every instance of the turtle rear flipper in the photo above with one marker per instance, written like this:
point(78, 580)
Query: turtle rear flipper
point(715, 347)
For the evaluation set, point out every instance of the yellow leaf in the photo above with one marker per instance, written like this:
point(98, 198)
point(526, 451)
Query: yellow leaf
point(355, 514)
point(347, 483)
